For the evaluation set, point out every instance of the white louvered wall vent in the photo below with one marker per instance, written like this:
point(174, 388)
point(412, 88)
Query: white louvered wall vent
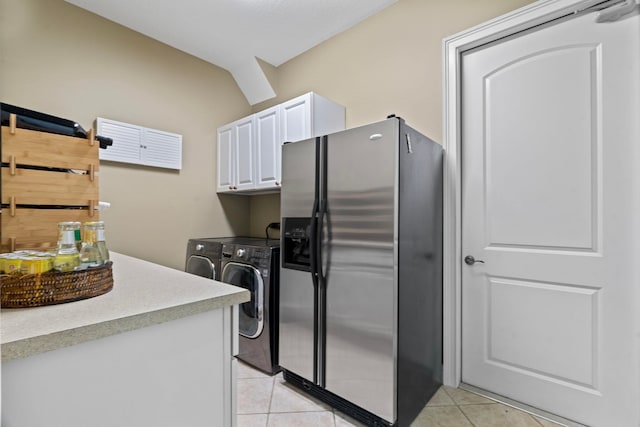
point(140, 145)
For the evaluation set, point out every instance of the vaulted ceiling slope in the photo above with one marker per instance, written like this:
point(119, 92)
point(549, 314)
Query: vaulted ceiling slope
point(233, 33)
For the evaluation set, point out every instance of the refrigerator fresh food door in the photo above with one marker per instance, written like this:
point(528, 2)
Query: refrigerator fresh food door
point(297, 291)
point(359, 257)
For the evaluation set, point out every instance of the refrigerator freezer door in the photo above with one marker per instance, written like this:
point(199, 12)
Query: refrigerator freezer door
point(360, 258)
point(297, 294)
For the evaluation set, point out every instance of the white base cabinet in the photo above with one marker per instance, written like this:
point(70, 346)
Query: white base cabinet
point(178, 373)
point(249, 162)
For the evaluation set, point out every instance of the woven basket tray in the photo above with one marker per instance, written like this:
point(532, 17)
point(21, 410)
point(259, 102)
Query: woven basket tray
point(53, 287)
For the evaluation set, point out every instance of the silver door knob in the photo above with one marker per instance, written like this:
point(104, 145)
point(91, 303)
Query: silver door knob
point(470, 260)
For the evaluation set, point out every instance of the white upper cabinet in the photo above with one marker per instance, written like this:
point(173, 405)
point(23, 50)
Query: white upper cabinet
point(296, 119)
point(139, 145)
point(236, 151)
point(268, 144)
point(310, 115)
point(306, 116)
point(226, 157)
point(245, 148)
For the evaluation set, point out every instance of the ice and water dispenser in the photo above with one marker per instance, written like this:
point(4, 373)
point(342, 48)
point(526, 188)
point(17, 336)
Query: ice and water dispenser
point(296, 243)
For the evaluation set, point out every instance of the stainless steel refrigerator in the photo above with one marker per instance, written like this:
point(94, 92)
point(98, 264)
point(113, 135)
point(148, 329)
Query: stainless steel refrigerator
point(361, 270)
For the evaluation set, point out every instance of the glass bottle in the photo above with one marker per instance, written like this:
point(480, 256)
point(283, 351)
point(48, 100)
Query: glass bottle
point(67, 257)
point(78, 238)
point(102, 243)
point(90, 254)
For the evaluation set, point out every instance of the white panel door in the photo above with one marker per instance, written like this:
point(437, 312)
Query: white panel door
point(550, 148)
point(244, 145)
point(296, 118)
point(268, 148)
point(226, 158)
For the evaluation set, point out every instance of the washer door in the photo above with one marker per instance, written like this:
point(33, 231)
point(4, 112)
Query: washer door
point(201, 266)
point(251, 312)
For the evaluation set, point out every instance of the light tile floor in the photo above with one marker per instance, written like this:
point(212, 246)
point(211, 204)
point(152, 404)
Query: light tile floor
point(265, 401)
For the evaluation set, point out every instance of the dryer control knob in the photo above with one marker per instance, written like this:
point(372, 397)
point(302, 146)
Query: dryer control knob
point(240, 252)
point(199, 247)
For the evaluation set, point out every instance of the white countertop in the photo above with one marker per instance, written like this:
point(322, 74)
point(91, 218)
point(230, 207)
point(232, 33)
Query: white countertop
point(143, 294)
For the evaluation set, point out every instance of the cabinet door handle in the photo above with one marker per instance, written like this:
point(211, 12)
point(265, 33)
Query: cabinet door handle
point(231, 187)
point(278, 183)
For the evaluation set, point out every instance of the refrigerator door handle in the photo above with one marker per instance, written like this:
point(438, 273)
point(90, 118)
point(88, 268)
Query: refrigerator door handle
point(313, 246)
point(323, 209)
point(319, 241)
point(321, 308)
point(314, 259)
point(313, 232)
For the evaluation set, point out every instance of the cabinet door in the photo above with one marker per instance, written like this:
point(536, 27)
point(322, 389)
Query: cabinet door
point(140, 145)
point(244, 154)
point(268, 145)
point(225, 158)
point(161, 149)
point(296, 118)
point(127, 141)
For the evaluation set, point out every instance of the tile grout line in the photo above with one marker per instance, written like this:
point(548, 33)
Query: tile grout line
point(536, 419)
point(334, 411)
point(273, 387)
point(458, 407)
point(464, 415)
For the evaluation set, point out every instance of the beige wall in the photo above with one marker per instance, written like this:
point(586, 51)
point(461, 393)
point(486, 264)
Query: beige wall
point(388, 64)
point(59, 59)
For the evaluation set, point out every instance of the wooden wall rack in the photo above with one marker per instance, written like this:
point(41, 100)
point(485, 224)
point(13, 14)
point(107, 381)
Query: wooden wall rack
point(45, 179)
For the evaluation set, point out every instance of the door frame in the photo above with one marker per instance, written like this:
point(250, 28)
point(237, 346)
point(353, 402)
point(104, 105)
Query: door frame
point(453, 47)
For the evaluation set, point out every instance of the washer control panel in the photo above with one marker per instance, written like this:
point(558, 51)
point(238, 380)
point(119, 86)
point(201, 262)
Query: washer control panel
point(255, 256)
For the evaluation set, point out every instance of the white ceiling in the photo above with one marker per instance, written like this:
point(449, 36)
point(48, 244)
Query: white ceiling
point(233, 33)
